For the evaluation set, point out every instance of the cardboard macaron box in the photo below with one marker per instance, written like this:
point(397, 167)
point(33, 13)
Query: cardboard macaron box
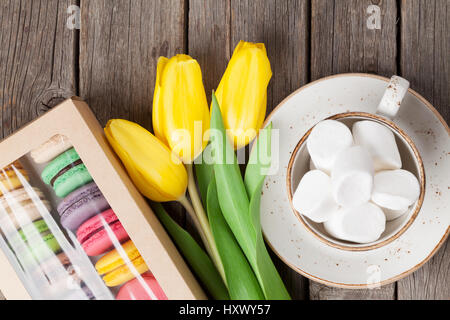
point(72, 224)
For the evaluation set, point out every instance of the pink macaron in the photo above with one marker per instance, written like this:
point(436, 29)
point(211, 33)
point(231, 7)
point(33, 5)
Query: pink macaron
point(98, 234)
point(143, 288)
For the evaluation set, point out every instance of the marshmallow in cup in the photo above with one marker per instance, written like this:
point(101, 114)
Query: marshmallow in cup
point(361, 224)
point(327, 139)
point(380, 142)
point(394, 191)
point(346, 162)
point(352, 177)
point(313, 196)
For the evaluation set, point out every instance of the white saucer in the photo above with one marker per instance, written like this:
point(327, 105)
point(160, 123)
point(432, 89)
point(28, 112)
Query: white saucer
point(301, 250)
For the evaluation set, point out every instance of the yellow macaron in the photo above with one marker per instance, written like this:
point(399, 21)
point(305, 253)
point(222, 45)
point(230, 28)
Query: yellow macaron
point(11, 177)
point(115, 267)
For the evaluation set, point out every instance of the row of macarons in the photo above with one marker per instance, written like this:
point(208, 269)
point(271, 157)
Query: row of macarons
point(85, 210)
point(79, 211)
point(36, 248)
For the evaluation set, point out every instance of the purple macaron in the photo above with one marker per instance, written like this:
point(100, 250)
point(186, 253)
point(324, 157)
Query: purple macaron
point(80, 205)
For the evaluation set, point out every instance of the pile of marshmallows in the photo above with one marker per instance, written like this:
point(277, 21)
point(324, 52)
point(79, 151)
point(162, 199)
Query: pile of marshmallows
point(356, 182)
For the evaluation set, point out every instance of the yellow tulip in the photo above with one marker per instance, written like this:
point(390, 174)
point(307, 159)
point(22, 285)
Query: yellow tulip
point(180, 109)
point(154, 169)
point(242, 92)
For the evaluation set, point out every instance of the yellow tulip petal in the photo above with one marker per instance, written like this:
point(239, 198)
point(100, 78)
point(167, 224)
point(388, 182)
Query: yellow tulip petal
point(154, 169)
point(242, 92)
point(183, 114)
point(157, 111)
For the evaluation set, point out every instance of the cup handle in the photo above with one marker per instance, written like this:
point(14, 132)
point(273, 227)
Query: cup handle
point(393, 96)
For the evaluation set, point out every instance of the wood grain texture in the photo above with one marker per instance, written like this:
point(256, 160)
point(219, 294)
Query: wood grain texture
point(341, 42)
point(424, 60)
point(209, 39)
point(318, 291)
point(424, 50)
point(120, 43)
point(283, 27)
point(37, 61)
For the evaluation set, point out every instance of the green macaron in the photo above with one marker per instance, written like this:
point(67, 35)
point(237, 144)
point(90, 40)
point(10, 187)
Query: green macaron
point(34, 243)
point(66, 173)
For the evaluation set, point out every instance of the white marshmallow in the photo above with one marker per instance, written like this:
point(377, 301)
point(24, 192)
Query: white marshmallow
point(393, 96)
point(379, 140)
point(326, 140)
point(361, 224)
point(313, 197)
point(352, 177)
point(395, 189)
point(393, 214)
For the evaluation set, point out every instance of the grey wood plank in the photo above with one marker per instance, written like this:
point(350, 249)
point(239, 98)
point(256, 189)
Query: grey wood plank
point(424, 60)
point(209, 39)
point(283, 27)
point(341, 42)
point(318, 291)
point(37, 60)
point(424, 50)
point(120, 43)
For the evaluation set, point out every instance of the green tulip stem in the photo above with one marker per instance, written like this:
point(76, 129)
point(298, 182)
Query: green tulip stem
point(204, 222)
point(191, 212)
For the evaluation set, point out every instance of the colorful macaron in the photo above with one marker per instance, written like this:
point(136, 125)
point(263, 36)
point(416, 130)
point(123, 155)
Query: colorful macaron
point(81, 205)
point(34, 244)
point(115, 270)
point(97, 234)
point(51, 149)
point(66, 173)
point(22, 206)
point(145, 288)
point(11, 177)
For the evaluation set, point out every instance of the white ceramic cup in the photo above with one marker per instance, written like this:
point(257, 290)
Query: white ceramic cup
point(299, 164)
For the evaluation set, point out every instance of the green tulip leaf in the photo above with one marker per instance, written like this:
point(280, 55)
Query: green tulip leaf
point(241, 214)
point(242, 282)
point(199, 261)
point(259, 162)
point(268, 276)
point(231, 191)
point(204, 173)
point(258, 165)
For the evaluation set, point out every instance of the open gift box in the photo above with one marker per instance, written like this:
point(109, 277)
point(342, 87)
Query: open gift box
point(90, 235)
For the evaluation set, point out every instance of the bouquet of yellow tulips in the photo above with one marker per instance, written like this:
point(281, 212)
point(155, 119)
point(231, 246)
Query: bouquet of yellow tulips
point(192, 150)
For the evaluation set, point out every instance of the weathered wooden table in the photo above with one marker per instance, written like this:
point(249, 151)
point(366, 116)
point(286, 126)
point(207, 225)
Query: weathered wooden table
point(111, 63)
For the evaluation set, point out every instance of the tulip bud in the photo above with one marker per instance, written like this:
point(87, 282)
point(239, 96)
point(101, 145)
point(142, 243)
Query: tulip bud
point(180, 109)
point(242, 92)
point(154, 169)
